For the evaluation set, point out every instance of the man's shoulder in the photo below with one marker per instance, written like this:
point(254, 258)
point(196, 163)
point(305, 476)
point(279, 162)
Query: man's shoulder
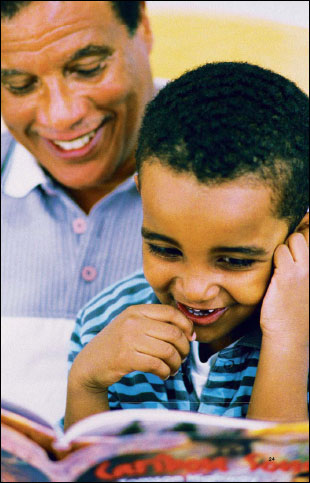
point(7, 144)
point(132, 290)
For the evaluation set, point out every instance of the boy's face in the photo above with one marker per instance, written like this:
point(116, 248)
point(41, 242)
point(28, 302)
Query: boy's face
point(208, 248)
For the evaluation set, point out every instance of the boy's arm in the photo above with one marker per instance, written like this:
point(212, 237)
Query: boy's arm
point(280, 388)
point(83, 401)
point(146, 338)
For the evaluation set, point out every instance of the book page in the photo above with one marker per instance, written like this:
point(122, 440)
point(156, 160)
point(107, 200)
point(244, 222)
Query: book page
point(41, 434)
point(182, 446)
point(22, 459)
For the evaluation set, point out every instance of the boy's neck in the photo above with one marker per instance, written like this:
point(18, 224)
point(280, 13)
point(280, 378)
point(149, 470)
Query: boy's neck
point(206, 350)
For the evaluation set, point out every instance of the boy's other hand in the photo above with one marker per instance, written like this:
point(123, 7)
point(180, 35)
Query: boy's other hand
point(146, 338)
point(285, 308)
point(303, 228)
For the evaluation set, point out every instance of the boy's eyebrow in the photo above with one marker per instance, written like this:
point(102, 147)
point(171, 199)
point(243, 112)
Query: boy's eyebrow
point(251, 250)
point(150, 235)
point(87, 51)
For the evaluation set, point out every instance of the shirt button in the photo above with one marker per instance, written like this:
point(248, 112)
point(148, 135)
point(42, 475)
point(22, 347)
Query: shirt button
point(79, 225)
point(229, 365)
point(89, 273)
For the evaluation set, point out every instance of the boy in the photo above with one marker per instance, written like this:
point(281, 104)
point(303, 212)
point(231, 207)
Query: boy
point(218, 321)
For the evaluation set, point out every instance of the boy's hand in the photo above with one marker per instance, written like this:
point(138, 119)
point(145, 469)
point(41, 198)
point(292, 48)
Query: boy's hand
point(147, 338)
point(285, 309)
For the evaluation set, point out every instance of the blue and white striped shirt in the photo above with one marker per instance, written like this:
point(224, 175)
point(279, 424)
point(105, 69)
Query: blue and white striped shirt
point(229, 385)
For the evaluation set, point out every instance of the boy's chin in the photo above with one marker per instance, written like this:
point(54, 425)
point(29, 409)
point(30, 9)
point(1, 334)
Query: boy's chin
point(218, 338)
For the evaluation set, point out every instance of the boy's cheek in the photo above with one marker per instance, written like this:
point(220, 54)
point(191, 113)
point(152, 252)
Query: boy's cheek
point(252, 291)
point(248, 290)
point(156, 273)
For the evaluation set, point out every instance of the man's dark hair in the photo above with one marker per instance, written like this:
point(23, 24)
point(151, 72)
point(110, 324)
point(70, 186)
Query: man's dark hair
point(225, 120)
point(129, 13)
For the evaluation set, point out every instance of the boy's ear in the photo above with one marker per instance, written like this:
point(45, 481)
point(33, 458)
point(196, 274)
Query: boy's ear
point(303, 227)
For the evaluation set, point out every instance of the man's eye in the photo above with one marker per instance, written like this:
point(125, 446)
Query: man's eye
point(165, 252)
point(236, 263)
point(21, 89)
point(89, 72)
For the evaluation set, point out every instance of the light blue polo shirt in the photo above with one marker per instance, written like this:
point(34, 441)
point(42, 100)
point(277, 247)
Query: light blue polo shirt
point(54, 258)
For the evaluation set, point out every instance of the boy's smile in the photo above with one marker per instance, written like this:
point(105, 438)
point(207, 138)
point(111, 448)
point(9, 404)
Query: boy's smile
point(208, 250)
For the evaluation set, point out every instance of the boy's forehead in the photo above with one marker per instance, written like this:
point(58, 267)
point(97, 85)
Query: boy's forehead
point(161, 174)
point(240, 208)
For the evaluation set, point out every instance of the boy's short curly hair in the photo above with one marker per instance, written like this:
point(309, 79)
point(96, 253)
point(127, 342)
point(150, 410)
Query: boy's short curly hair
point(225, 120)
point(129, 13)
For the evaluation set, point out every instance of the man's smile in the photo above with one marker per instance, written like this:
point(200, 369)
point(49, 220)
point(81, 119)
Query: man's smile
point(66, 146)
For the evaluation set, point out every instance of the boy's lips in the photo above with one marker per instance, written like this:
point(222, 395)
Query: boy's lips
point(201, 316)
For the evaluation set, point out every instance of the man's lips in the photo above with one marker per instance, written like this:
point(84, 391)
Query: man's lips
point(75, 152)
point(67, 137)
point(201, 316)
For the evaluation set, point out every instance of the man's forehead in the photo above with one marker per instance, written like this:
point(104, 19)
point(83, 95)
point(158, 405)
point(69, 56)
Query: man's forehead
point(27, 31)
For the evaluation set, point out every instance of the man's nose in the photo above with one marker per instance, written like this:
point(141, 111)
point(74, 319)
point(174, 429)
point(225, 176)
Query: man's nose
point(60, 108)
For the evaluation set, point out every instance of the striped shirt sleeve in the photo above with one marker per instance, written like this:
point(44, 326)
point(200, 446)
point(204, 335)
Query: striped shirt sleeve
point(105, 307)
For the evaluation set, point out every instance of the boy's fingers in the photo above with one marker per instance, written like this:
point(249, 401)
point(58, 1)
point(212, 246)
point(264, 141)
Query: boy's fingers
point(304, 231)
point(282, 257)
point(168, 333)
point(148, 363)
point(166, 313)
point(299, 248)
point(294, 250)
point(162, 350)
point(166, 345)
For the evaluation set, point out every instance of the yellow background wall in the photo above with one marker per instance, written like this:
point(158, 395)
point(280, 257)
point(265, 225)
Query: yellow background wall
point(184, 41)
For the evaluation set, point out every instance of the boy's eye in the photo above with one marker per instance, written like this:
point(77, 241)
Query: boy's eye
point(236, 263)
point(164, 252)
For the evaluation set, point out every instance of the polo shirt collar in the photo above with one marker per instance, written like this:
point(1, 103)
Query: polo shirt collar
point(24, 173)
point(251, 340)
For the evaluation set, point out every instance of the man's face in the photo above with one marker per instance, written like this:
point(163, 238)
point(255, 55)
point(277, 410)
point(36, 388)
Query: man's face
point(208, 250)
point(72, 74)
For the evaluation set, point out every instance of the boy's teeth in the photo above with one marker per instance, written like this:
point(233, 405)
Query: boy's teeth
point(199, 312)
point(76, 143)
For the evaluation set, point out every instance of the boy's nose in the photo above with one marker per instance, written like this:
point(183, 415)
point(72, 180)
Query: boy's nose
point(199, 289)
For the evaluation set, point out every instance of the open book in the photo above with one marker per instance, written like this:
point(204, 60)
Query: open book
point(152, 445)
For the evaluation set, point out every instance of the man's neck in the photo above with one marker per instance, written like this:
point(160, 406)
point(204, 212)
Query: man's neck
point(88, 197)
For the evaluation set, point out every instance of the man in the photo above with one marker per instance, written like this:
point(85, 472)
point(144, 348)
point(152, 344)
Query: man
point(75, 79)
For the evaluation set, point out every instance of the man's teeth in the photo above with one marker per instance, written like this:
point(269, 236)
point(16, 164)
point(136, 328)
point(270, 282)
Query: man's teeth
point(76, 143)
point(199, 312)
